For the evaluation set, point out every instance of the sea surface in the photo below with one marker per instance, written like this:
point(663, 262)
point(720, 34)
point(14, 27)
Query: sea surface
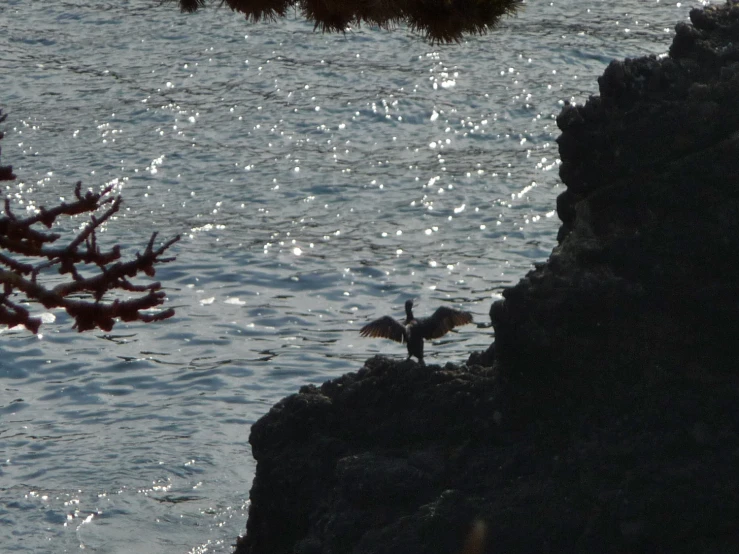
point(318, 181)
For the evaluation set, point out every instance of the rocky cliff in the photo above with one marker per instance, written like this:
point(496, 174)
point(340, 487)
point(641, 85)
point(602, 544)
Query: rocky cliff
point(605, 418)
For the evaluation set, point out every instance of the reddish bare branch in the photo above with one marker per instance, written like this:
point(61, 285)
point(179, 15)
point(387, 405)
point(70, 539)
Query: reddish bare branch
point(91, 315)
point(12, 314)
point(15, 265)
point(90, 270)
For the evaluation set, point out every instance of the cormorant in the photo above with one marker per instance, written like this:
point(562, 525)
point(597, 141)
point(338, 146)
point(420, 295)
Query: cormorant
point(413, 331)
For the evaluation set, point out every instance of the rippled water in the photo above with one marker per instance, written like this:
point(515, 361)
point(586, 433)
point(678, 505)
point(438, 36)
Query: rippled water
point(318, 180)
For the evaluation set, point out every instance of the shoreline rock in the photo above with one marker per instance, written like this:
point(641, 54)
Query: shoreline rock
point(604, 418)
point(377, 443)
point(648, 255)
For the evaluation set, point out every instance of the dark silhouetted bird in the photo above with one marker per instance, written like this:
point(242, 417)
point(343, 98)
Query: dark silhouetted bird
point(413, 331)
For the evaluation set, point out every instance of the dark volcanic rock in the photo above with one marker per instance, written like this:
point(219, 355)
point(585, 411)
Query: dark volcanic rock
point(400, 458)
point(648, 261)
point(341, 463)
point(6, 171)
point(609, 420)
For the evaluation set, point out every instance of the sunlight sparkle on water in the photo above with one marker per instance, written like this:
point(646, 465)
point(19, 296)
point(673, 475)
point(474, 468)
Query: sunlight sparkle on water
point(373, 137)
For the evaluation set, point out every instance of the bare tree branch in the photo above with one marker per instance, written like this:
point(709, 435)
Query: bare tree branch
point(80, 257)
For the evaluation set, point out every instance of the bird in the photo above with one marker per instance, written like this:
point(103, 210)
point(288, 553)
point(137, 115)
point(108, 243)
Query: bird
point(414, 331)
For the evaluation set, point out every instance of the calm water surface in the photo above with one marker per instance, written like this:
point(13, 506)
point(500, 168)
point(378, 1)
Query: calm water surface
point(318, 182)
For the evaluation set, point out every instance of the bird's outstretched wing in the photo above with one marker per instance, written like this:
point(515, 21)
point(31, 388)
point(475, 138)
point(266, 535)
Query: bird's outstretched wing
point(385, 327)
point(444, 320)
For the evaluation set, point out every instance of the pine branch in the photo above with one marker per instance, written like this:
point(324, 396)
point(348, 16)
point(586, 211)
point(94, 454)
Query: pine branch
point(440, 21)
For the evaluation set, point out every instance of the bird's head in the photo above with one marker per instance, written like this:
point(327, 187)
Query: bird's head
point(409, 307)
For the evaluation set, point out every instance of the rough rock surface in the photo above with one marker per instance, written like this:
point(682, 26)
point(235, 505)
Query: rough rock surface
point(340, 467)
point(648, 262)
point(609, 419)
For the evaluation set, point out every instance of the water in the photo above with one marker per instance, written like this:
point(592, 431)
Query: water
point(318, 181)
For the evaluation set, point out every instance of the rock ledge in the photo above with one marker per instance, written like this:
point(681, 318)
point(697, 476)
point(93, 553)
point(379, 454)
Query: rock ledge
point(604, 418)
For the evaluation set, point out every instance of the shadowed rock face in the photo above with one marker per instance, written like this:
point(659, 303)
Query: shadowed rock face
point(648, 262)
point(608, 421)
point(369, 448)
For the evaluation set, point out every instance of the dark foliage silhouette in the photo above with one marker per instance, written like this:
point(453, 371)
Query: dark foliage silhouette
point(438, 20)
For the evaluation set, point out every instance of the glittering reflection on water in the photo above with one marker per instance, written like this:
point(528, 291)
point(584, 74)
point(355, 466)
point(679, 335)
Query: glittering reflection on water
point(319, 181)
